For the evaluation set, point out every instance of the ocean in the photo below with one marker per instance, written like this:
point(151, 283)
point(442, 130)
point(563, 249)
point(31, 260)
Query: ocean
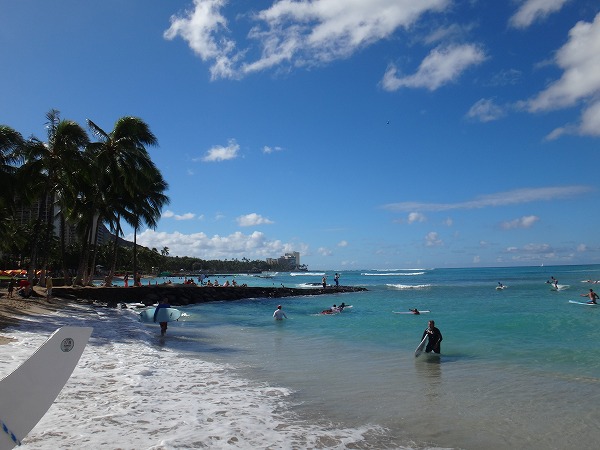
point(520, 367)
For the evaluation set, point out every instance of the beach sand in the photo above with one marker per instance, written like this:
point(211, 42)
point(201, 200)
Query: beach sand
point(12, 310)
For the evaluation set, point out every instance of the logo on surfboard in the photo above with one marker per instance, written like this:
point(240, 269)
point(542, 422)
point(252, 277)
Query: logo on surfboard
point(67, 344)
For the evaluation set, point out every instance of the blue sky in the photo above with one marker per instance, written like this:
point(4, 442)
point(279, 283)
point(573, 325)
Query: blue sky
point(363, 133)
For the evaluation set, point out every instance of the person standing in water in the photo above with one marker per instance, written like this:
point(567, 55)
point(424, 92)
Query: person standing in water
point(435, 338)
point(279, 314)
point(164, 303)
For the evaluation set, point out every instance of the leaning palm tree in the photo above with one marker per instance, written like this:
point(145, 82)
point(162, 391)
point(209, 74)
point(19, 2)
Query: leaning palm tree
point(122, 161)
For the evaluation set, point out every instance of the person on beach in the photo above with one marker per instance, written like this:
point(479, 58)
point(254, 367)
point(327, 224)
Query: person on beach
point(164, 303)
point(324, 281)
point(279, 314)
point(49, 287)
point(11, 287)
point(337, 279)
point(593, 297)
point(435, 338)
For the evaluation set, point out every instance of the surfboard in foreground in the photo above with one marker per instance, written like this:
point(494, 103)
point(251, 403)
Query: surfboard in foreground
point(421, 347)
point(29, 391)
point(164, 315)
point(583, 303)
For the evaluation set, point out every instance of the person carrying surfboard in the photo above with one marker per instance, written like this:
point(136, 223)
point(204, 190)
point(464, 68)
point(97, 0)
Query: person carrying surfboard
point(592, 295)
point(164, 303)
point(435, 338)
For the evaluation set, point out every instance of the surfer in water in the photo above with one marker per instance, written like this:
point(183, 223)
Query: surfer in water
point(164, 303)
point(593, 297)
point(279, 314)
point(415, 311)
point(435, 338)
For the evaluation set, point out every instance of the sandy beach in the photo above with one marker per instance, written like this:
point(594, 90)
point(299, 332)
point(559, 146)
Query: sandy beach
point(13, 309)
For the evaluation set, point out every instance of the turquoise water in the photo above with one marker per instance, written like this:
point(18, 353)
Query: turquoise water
point(520, 367)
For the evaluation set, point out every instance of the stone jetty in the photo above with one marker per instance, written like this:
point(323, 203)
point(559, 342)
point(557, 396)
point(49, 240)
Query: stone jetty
point(181, 294)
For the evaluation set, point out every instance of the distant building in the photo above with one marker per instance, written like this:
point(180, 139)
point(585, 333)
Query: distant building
point(289, 261)
point(27, 214)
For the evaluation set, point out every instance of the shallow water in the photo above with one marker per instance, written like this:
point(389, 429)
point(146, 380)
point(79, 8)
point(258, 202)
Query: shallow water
point(520, 368)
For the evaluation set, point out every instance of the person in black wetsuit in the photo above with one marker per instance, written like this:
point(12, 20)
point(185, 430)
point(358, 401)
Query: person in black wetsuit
point(435, 338)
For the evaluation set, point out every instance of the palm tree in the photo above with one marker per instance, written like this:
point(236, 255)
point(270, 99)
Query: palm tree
point(50, 168)
point(130, 184)
point(11, 154)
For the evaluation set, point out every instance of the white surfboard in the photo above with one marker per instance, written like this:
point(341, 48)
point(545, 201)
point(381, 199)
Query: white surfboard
point(29, 391)
point(164, 315)
point(560, 287)
point(421, 346)
point(583, 303)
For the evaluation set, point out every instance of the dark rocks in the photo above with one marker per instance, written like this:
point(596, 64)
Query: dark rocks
point(180, 295)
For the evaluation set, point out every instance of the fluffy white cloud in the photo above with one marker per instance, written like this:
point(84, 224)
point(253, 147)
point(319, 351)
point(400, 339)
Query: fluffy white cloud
point(532, 10)
point(433, 240)
point(296, 33)
point(416, 217)
point(253, 219)
point(580, 82)
point(523, 222)
point(443, 65)
point(343, 244)
point(220, 153)
point(170, 214)
point(236, 245)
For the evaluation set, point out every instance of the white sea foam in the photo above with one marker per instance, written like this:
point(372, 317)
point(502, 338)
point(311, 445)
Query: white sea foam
point(307, 274)
point(393, 274)
point(129, 394)
point(408, 286)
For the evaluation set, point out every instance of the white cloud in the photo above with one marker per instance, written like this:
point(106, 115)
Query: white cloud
point(532, 10)
point(323, 251)
point(186, 216)
point(292, 33)
point(442, 66)
point(589, 125)
point(416, 217)
point(580, 82)
point(220, 153)
point(523, 222)
point(433, 240)
point(517, 196)
point(267, 150)
point(236, 245)
point(485, 110)
point(343, 244)
point(253, 219)
point(170, 214)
